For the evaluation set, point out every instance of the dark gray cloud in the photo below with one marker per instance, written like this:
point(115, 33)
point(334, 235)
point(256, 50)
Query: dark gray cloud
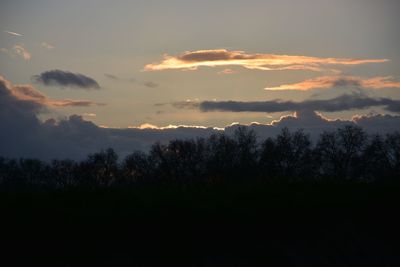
point(340, 103)
point(66, 79)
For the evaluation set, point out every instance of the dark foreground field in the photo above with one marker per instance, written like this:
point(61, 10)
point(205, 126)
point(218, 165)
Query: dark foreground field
point(220, 225)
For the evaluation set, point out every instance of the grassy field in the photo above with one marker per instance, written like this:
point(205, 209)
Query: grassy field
point(219, 225)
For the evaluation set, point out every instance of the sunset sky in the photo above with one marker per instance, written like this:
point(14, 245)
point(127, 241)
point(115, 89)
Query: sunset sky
point(127, 64)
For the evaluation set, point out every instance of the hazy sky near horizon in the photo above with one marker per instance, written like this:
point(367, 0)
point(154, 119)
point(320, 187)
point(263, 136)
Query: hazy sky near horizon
point(115, 42)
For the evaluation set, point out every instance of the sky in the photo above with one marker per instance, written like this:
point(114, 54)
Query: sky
point(152, 64)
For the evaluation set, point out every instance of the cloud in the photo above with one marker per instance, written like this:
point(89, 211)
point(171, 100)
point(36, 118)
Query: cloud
point(30, 96)
point(66, 79)
point(227, 71)
point(191, 60)
point(171, 126)
point(314, 124)
point(326, 82)
point(17, 50)
point(184, 104)
point(89, 114)
point(24, 135)
point(148, 84)
point(112, 77)
point(340, 103)
point(13, 33)
point(21, 51)
point(75, 137)
point(47, 46)
point(12, 105)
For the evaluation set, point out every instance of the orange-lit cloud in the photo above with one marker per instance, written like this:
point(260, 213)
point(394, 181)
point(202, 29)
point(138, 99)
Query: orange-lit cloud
point(191, 60)
point(326, 82)
point(28, 93)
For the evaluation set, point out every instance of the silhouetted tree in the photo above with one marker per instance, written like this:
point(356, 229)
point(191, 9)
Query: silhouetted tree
point(221, 154)
point(136, 168)
point(340, 152)
point(246, 152)
point(10, 174)
point(392, 144)
point(160, 163)
point(343, 155)
point(34, 173)
point(99, 169)
point(288, 156)
point(267, 165)
point(64, 173)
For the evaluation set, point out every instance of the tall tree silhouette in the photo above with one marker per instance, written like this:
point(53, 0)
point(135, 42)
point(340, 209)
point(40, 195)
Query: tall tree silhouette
point(246, 152)
point(64, 173)
point(136, 168)
point(288, 155)
point(221, 157)
point(100, 169)
point(340, 152)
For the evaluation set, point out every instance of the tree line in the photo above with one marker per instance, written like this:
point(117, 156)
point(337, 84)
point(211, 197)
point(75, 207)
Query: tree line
point(345, 155)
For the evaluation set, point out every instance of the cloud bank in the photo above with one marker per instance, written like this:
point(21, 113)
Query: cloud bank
point(340, 103)
point(191, 60)
point(66, 79)
point(24, 135)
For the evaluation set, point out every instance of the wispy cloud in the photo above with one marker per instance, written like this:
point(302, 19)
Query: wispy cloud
point(149, 84)
point(47, 46)
point(112, 77)
point(17, 50)
point(191, 60)
point(326, 82)
point(20, 50)
point(13, 33)
point(66, 79)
